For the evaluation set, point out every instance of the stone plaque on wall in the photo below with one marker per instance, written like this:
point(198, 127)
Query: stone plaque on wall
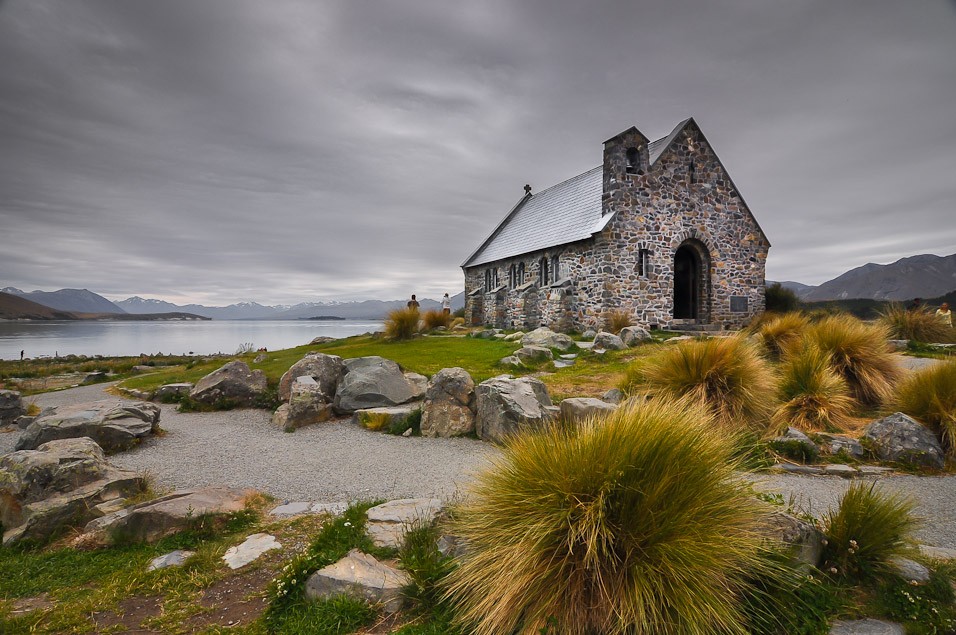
point(738, 304)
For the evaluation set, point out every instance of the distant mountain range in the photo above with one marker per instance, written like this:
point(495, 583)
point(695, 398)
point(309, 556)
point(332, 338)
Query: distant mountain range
point(17, 307)
point(74, 300)
point(923, 276)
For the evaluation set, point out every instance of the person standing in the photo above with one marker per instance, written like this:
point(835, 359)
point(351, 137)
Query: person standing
point(446, 304)
point(944, 315)
point(413, 303)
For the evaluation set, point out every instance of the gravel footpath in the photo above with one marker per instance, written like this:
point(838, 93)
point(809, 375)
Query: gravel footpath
point(337, 461)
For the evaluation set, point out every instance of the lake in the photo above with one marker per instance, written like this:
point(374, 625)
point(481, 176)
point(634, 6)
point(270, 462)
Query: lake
point(49, 338)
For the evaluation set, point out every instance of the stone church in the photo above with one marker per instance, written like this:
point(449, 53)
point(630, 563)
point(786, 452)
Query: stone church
point(659, 231)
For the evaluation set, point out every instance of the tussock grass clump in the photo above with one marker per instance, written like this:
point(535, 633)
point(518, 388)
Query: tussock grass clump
point(920, 325)
point(859, 352)
point(726, 374)
point(616, 319)
point(813, 397)
point(779, 332)
point(433, 318)
point(402, 324)
point(867, 529)
point(929, 395)
point(634, 523)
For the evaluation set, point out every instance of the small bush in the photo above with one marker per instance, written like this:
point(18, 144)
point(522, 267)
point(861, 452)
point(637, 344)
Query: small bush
point(638, 519)
point(920, 325)
point(375, 420)
point(859, 353)
point(779, 332)
point(435, 318)
point(726, 374)
point(813, 397)
point(779, 299)
point(426, 566)
point(867, 529)
point(795, 450)
point(925, 609)
point(616, 320)
point(402, 324)
point(929, 395)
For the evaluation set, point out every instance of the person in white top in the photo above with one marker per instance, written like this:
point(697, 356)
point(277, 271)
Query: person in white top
point(446, 305)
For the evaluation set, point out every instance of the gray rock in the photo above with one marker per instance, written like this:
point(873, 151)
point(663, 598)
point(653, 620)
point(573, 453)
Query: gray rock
point(371, 382)
point(261, 357)
point(487, 334)
point(937, 553)
point(234, 382)
point(874, 470)
point(418, 384)
point(634, 335)
point(514, 337)
point(534, 354)
point(865, 627)
point(326, 370)
point(383, 418)
point(505, 406)
point(609, 341)
point(115, 425)
point(11, 407)
point(910, 570)
point(172, 390)
point(92, 378)
point(577, 409)
point(900, 439)
point(23, 422)
point(613, 396)
point(834, 443)
point(164, 516)
point(589, 334)
point(564, 363)
point(249, 550)
point(838, 469)
point(793, 435)
point(362, 576)
point(322, 339)
point(335, 509)
point(57, 486)
point(511, 361)
point(449, 408)
point(803, 537)
point(388, 522)
point(308, 404)
point(794, 468)
point(172, 559)
point(292, 509)
point(547, 338)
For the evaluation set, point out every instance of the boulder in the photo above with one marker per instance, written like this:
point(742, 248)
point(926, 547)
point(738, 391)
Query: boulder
point(166, 515)
point(57, 486)
point(11, 407)
point(95, 376)
point(115, 425)
point(614, 396)
point(547, 338)
point(900, 439)
point(307, 405)
point(388, 522)
point(910, 570)
point(835, 443)
point(449, 408)
point(172, 391)
point(589, 334)
point(321, 339)
point(634, 335)
point(362, 576)
point(534, 354)
point(383, 418)
point(806, 540)
point(577, 409)
point(418, 384)
point(514, 337)
point(504, 405)
point(23, 422)
point(372, 382)
point(796, 445)
point(511, 361)
point(609, 341)
point(234, 382)
point(326, 370)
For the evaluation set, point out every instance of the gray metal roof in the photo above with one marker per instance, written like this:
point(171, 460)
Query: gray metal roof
point(564, 213)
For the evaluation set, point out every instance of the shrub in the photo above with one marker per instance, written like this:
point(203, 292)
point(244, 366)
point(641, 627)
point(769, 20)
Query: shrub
point(726, 374)
point(634, 522)
point(779, 332)
point(920, 325)
point(859, 353)
point(779, 299)
point(402, 324)
point(930, 396)
point(616, 320)
point(867, 529)
point(425, 564)
point(813, 396)
point(435, 318)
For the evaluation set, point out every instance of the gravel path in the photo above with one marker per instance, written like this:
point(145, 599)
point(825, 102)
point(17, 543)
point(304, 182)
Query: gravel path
point(338, 461)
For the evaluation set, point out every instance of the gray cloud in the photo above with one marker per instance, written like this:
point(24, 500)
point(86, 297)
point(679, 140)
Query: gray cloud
point(240, 150)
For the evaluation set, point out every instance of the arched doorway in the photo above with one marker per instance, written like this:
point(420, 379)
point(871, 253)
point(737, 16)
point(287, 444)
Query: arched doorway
point(691, 291)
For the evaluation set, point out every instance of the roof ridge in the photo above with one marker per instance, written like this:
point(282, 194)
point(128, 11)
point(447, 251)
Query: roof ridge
point(576, 176)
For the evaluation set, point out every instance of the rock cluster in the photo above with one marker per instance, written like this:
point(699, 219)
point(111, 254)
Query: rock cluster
point(235, 382)
point(114, 425)
point(449, 408)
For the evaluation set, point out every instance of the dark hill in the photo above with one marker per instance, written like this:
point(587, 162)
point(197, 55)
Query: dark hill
point(923, 276)
point(14, 307)
point(74, 300)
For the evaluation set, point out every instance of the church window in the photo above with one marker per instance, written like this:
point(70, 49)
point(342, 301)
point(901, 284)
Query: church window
point(520, 273)
point(634, 161)
point(543, 280)
point(555, 269)
point(512, 276)
point(643, 262)
point(691, 173)
point(487, 280)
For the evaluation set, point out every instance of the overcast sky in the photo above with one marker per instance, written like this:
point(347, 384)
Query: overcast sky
point(282, 151)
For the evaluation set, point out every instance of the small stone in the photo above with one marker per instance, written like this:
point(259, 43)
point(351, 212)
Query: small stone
point(171, 559)
point(334, 509)
point(910, 570)
point(839, 469)
point(408, 433)
point(798, 469)
point(388, 522)
point(360, 575)
point(614, 396)
point(250, 550)
point(291, 509)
